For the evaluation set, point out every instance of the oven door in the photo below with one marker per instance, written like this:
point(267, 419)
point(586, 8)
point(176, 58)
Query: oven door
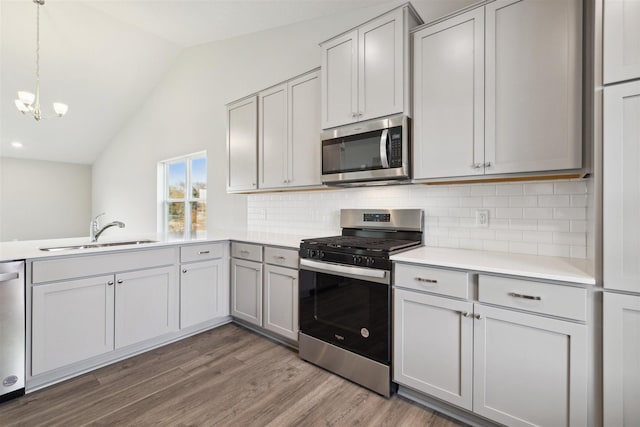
point(347, 306)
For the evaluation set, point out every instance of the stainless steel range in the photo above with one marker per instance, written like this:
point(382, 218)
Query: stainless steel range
point(345, 293)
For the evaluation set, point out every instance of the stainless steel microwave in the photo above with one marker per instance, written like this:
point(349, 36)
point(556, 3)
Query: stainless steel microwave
point(374, 152)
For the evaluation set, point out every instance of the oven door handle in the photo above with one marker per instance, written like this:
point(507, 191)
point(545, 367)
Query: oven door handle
point(367, 274)
point(383, 149)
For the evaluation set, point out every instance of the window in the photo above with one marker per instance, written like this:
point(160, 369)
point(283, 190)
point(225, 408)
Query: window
point(183, 206)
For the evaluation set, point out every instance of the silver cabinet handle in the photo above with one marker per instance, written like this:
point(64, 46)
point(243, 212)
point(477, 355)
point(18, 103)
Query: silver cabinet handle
point(531, 297)
point(110, 283)
point(203, 252)
point(477, 165)
point(9, 276)
point(354, 115)
point(243, 252)
point(477, 316)
point(120, 281)
point(279, 257)
point(465, 314)
point(487, 165)
point(422, 279)
point(184, 270)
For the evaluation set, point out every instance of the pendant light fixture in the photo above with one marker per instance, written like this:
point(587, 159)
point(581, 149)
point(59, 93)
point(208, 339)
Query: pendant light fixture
point(27, 102)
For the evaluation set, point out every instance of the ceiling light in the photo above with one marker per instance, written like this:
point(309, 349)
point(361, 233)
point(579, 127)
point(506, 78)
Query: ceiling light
point(27, 102)
point(16, 144)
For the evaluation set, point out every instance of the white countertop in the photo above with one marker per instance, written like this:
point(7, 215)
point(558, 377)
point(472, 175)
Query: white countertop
point(30, 249)
point(532, 266)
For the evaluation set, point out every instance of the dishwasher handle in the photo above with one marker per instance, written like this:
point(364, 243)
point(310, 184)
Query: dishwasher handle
point(5, 277)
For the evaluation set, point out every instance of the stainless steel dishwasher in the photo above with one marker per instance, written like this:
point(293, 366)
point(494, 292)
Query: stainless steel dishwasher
point(12, 330)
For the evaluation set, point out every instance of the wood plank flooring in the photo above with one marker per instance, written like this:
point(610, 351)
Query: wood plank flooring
point(228, 376)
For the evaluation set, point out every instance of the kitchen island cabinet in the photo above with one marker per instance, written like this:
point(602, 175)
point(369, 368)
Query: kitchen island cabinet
point(498, 90)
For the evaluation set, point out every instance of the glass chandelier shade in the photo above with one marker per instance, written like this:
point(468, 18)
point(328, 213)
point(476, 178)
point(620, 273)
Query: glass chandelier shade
point(27, 102)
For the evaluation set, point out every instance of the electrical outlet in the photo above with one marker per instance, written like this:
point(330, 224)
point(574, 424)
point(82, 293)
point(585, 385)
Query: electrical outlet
point(482, 218)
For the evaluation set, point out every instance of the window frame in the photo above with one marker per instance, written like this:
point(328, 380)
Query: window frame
point(163, 192)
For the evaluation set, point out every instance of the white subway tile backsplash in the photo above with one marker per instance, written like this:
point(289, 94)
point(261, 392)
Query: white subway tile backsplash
point(523, 201)
point(569, 213)
point(570, 187)
point(556, 201)
point(545, 218)
point(537, 213)
point(538, 188)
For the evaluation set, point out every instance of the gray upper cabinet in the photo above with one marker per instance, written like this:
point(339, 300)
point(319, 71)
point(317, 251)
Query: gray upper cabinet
point(365, 72)
point(498, 90)
point(448, 84)
point(533, 89)
point(289, 134)
point(242, 133)
point(621, 40)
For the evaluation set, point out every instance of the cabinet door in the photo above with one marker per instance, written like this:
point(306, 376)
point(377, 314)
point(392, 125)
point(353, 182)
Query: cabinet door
point(432, 349)
point(533, 85)
point(304, 152)
point(246, 291)
point(529, 370)
point(242, 144)
point(72, 321)
point(281, 301)
point(380, 66)
point(272, 137)
point(621, 195)
point(203, 292)
point(621, 359)
point(448, 78)
point(621, 40)
point(146, 305)
point(339, 96)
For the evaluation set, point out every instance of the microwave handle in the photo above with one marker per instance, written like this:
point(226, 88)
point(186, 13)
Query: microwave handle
point(383, 149)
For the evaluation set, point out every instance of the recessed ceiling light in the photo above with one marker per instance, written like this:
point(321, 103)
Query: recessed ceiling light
point(16, 144)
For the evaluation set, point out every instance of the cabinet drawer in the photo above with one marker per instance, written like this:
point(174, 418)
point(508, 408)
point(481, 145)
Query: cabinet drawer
point(201, 252)
point(282, 257)
point(92, 265)
point(545, 298)
point(246, 251)
point(436, 280)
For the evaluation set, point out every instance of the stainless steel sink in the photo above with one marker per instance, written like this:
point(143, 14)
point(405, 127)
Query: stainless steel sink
point(96, 245)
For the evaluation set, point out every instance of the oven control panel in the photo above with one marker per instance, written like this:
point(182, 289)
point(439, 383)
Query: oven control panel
point(377, 262)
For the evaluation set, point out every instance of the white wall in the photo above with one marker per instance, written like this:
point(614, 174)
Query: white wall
point(43, 200)
point(186, 113)
point(538, 218)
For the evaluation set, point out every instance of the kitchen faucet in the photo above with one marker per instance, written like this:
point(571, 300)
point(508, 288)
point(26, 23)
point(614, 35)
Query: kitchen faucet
point(95, 230)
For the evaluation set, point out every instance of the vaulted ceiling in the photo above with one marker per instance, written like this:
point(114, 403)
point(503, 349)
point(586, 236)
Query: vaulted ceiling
point(104, 57)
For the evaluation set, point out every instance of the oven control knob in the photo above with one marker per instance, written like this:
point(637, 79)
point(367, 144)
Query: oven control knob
point(320, 254)
point(357, 260)
point(313, 254)
point(370, 261)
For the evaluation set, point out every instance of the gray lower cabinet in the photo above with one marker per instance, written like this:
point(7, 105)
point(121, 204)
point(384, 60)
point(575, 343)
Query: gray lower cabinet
point(621, 359)
point(204, 283)
point(78, 319)
point(246, 291)
point(513, 364)
point(281, 301)
point(264, 289)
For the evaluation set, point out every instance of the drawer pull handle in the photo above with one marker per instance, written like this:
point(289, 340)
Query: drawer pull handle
point(203, 252)
point(422, 279)
point(477, 316)
point(531, 297)
point(184, 270)
point(280, 257)
point(120, 281)
point(243, 252)
point(110, 283)
point(465, 314)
